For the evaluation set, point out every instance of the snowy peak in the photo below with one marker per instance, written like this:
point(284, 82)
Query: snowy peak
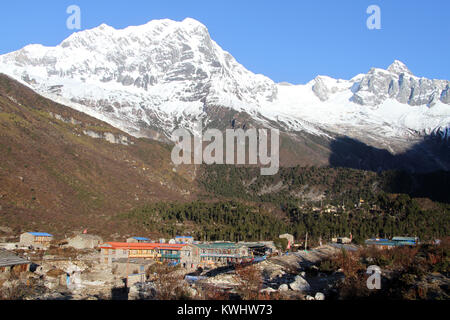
point(398, 82)
point(149, 79)
point(399, 68)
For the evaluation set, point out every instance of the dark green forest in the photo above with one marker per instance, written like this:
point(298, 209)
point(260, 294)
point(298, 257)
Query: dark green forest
point(235, 221)
point(253, 207)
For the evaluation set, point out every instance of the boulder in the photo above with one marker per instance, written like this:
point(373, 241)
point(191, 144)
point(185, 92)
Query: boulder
point(300, 284)
point(319, 296)
point(268, 290)
point(283, 288)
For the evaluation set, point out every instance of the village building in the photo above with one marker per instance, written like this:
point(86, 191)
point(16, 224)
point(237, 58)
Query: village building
point(406, 241)
point(184, 239)
point(85, 241)
point(190, 256)
point(138, 240)
point(11, 262)
point(342, 240)
point(39, 239)
point(113, 251)
point(260, 248)
point(381, 243)
point(223, 253)
point(395, 242)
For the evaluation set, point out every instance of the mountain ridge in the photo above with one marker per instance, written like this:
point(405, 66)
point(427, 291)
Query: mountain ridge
point(149, 80)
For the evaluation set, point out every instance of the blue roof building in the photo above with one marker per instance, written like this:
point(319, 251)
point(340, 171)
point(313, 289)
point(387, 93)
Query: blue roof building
point(138, 240)
point(41, 234)
point(36, 239)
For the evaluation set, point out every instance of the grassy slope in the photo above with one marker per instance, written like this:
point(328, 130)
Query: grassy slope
point(54, 178)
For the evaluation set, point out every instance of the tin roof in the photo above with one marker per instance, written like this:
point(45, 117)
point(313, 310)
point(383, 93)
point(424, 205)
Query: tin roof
point(8, 258)
point(219, 245)
point(140, 238)
point(41, 234)
point(381, 242)
point(404, 239)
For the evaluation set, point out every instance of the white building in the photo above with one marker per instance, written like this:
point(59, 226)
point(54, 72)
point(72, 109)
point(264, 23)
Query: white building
point(85, 241)
point(35, 239)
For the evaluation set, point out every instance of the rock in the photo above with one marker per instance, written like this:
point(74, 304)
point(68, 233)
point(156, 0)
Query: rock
point(320, 89)
point(283, 288)
point(192, 292)
point(319, 296)
point(309, 298)
point(445, 95)
point(268, 290)
point(300, 284)
point(277, 274)
point(52, 285)
point(400, 84)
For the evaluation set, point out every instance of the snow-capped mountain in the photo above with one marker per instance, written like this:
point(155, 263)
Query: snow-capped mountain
point(151, 76)
point(148, 80)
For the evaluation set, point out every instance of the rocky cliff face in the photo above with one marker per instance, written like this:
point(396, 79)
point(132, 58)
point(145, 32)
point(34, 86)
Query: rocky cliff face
point(398, 83)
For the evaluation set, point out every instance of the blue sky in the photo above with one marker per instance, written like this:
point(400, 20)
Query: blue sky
point(287, 40)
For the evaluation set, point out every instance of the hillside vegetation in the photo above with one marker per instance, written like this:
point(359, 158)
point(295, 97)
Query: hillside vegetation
point(55, 177)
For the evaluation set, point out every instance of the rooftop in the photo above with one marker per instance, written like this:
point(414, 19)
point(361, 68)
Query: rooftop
point(8, 258)
point(41, 234)
point(219, 245)
point(404, 239)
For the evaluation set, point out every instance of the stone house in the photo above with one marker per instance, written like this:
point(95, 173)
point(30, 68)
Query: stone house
point(85, 241)
point(190, 256)
point(36, 239)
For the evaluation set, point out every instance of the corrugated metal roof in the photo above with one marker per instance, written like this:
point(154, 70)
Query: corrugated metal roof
point(8, 258)
point(41, 234)
point(221, 245)
point(381, 242)
point(404, 239)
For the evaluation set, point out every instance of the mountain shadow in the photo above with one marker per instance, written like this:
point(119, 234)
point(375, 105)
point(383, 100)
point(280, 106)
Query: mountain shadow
point(423, 171)
point(429, 155)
